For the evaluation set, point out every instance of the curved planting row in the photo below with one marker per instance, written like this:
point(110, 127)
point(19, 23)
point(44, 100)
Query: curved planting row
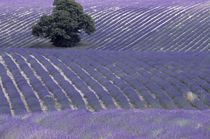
point(47, 80)
point(157, 28)
point(16, 26)
point(136, 25)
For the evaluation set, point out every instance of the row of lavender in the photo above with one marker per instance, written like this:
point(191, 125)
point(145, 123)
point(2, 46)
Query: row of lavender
point(175, 28)
point(47, 80)
point(109, 124)
point(141, 25)
point(36, 80)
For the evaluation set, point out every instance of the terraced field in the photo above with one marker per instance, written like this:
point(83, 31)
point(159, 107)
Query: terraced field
point(126, 25)
point(34, 80)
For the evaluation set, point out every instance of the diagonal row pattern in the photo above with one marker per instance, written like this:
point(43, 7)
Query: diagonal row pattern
point(47, 80)
point(135, 25)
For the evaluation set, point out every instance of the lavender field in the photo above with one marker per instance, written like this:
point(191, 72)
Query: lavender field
point(40, 80)
point(144, 73)
point(154, 25)
point(112, 124)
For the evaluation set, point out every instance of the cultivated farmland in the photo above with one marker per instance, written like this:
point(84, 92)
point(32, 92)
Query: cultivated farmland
point(139, 25)
point(95, 80)
point(144, 73)
point(113, 124)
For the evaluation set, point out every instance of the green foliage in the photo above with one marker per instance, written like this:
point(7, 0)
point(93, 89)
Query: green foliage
point(65, 24)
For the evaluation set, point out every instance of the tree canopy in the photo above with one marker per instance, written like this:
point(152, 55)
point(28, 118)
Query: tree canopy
point(65, 24)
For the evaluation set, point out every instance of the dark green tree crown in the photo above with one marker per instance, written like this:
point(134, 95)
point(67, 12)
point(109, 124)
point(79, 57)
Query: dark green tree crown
point(65, 23)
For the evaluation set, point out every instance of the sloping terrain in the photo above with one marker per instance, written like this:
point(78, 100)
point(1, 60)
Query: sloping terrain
point(40, 80)
point(121, 25)
point(145, 72)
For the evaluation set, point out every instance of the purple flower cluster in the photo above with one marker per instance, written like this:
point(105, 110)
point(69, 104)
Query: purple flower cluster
point(109, 124)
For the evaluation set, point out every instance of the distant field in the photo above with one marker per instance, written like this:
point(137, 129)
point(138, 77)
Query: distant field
point(127, 25)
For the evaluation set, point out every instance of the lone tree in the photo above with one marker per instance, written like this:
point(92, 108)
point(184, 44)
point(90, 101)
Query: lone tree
point(65, 24)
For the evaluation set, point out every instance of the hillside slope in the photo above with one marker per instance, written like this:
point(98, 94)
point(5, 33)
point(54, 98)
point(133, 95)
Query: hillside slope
point(155, 25)
point(48, 80)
